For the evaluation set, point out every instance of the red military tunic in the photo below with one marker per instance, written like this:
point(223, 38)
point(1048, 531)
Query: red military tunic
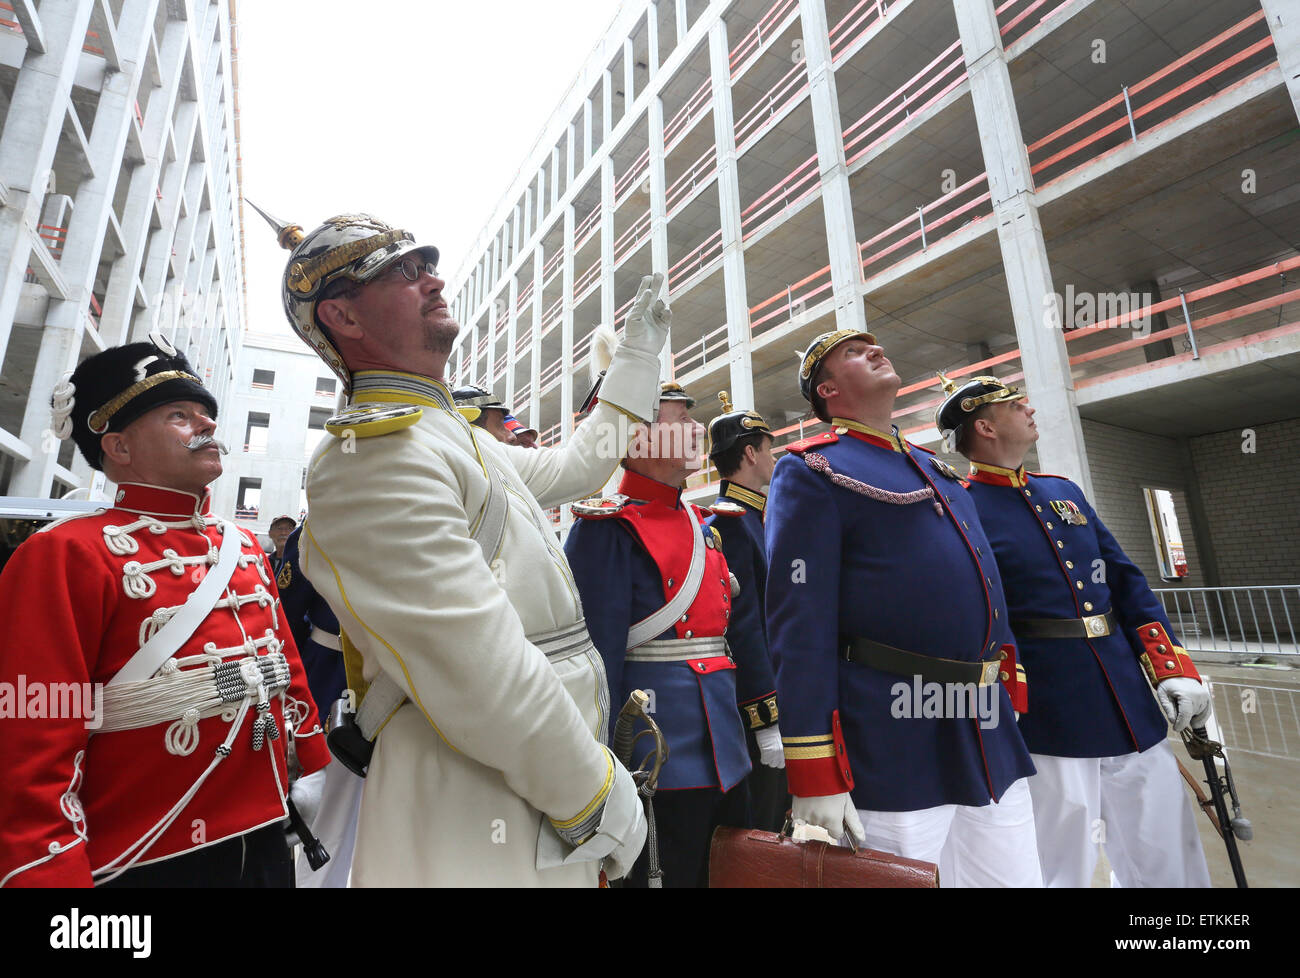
point(78, 599)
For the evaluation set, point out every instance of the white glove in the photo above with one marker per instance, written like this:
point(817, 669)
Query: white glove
point(618, 840)
point(1185, 701)
point(770, 751)
point(834, 813)
point(646, 326)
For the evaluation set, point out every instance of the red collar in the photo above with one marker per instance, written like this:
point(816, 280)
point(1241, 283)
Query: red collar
point(856, 429)
point(996, 475)
point(636, 486)
point(134, 497)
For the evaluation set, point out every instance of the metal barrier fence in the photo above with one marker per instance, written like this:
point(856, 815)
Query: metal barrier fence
point(1254, 719)
point(1260, 620)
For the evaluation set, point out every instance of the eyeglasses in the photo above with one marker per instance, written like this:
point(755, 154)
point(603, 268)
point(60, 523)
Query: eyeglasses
point(411, 269)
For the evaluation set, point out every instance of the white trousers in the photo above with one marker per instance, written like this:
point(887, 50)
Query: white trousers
point(989, 845)
point(1135, 805)
point(336, 827)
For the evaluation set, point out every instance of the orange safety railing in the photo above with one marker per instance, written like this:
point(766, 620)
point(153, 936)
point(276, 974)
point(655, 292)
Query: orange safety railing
point(703, 256)
point(525, 294)
point(631, 239)
point(799, 183)
point(1116, 328)
point(552, 314)
point(587, 280)
point(1125, 112)
point(482, 345)
point(750, 46)
point(699, 352)
point(499, 367)
point(696, 174)
point(589, 226)
point(700, 102)
point(931, 223)
point(522, 340)
point(854, 24)
point(54, 238)
point(552, 267)
point(522, 395)
point(788, 90)
point(1014, 24)
point(582, 348)
point(5, 22)
point(914, 96)
point(789, 302)
point(632, 176)
point(548, 437)
point(550, 375)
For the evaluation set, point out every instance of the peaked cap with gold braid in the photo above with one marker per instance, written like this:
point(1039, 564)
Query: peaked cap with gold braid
point(356, 247)
point(963, 398)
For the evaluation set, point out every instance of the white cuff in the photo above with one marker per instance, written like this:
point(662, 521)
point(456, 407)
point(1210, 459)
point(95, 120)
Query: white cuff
point(631, 383)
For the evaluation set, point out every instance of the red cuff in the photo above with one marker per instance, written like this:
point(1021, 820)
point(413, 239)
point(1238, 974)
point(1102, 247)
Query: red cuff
point(313, 753)
point(818, 765)
point(1163, 659)
point(1012, 675)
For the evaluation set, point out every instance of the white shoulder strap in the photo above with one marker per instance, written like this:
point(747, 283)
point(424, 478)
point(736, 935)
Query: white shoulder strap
point(654, 625)
point(182, 625)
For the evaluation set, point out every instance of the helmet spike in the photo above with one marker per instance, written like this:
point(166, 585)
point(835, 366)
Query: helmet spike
point(948, 385)
point(726, 403)
point(289, 235)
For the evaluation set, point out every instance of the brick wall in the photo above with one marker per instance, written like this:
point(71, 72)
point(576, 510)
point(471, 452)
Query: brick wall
point(1125, 462)
point(1252, 502)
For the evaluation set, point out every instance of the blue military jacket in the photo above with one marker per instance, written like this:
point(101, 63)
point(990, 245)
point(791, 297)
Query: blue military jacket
point(850, 556)
point(304, 609)
point(627, 564)
point(737, 515)
point(1088, 697)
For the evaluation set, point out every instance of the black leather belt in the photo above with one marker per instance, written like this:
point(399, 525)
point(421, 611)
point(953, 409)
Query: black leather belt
point(1094, 626)
point(900, 662)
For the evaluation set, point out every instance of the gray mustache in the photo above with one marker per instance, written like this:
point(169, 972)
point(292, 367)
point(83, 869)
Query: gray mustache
point(202, 441)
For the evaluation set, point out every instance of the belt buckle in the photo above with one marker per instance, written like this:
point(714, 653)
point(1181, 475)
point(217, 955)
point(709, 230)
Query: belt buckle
point(1096, 626)
point(989, 672)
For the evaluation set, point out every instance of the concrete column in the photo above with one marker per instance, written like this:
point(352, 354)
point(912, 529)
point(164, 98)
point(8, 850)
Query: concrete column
point(515, 233)
point(541, 198)
point(1284, 24)
point(1024, 252)
point(837, 204)
point(733, 251)
point(512, 317)
point(566, 328)
point(607, 105)
point(473, 353)
point(586, 131)
point(659, 215)
point(652, 38)
point(569, 156)
point(680, 7)
point(28, 143)
point(528, 214)
point(555, 170)
point(535, 347)
point(608, 297)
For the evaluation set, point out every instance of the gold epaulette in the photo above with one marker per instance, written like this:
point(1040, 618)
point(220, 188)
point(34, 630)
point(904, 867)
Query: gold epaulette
point(372, 420)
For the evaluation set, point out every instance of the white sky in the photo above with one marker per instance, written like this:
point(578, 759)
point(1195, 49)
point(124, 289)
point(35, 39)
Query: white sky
point(417, 111)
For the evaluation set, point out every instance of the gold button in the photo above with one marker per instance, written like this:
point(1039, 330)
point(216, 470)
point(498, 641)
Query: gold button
point(1049, 526)
point(1169, 665)
point(1079, 585)
point(993, 646)
point(1070, 564)
point(1087, 606)
point(1161, 648)
point(965, 524)
point(684, 617)
point(1154, 632)
point(1028, 493)
point(1002, 654)
point(701, 665)
point(1060, 545)
point(979, 551)
point(670, 582)
point(1039, 508)
point(1003, 676)
point(689, 634)
point(995, 612)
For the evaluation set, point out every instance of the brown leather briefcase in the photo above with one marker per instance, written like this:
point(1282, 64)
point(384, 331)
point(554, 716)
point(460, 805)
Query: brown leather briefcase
point(752, 858)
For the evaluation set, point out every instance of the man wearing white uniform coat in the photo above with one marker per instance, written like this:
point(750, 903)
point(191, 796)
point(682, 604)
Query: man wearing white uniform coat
point(429, 539)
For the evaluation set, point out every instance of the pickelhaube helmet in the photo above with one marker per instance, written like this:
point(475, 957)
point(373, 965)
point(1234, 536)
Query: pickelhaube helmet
point(472, 396)
point(356, 247)
point(963, 398)
point(668, 391)
point(811, 358)
point(731, 425)
point(111, 389)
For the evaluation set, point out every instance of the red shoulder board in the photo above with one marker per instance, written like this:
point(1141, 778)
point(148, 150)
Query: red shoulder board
point(599, 508)
point(816, 441)
point(920, 448)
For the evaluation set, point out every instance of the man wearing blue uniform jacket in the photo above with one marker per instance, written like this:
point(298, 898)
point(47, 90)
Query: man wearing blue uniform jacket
point(888, 626)
point(316, 632)
point(1088, 628)
point(740, 446)
point(657, 596)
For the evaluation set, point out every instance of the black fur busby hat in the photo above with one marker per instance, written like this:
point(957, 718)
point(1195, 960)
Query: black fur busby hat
point(111, 389)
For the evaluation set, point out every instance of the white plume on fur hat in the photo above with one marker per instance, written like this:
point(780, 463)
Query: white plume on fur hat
point(604, 344)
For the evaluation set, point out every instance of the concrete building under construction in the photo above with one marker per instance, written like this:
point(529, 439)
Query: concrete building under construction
point(119, 205)
point(1094, 199)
